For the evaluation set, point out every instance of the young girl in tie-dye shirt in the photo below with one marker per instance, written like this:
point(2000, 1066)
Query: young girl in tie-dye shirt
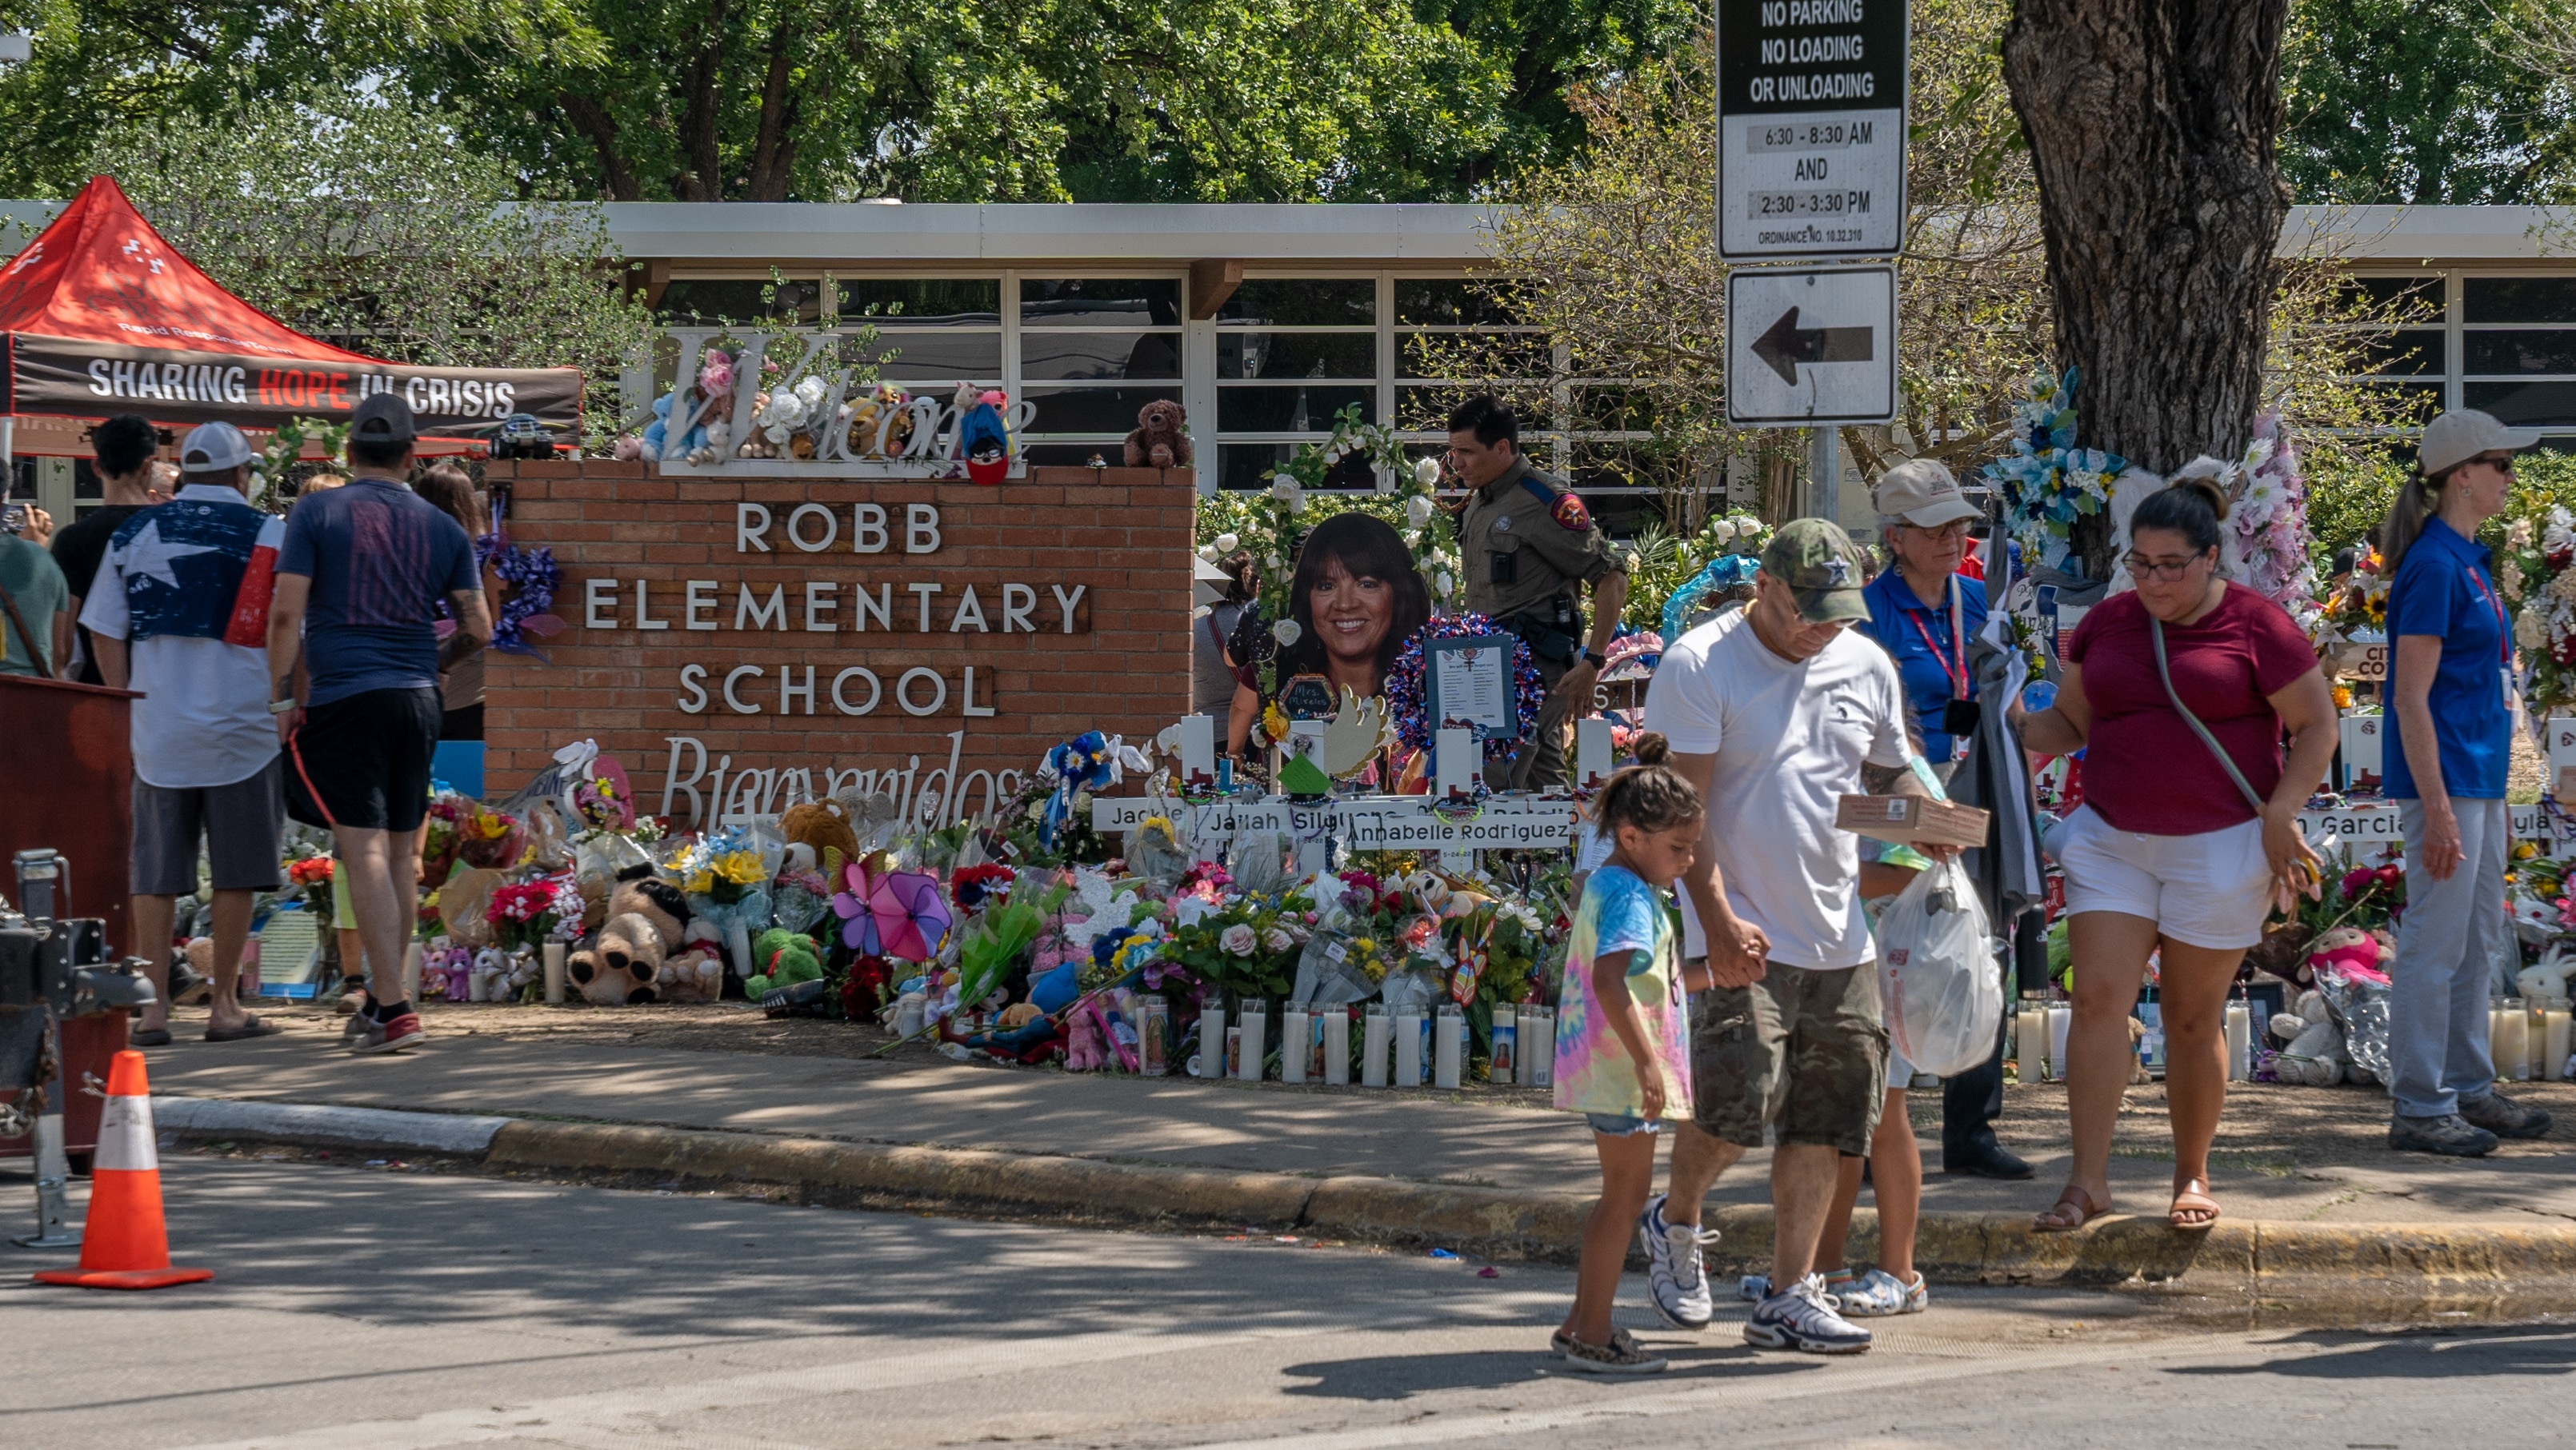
point(1622, 1043)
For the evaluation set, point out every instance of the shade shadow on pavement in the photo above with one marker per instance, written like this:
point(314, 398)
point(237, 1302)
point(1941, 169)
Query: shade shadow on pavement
point(2414, 1356)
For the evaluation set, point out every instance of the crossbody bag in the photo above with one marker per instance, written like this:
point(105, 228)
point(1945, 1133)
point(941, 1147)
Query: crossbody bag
point(2286, 890)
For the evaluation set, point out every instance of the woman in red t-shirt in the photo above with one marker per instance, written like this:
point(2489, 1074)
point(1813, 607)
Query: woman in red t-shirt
point(2171, 851)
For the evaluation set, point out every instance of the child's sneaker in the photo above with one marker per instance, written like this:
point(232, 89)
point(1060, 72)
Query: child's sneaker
point(1879, 1294)
point(1803, 1319)
point(1676, 1280)
point(1622, 1355)
point(393, 1036)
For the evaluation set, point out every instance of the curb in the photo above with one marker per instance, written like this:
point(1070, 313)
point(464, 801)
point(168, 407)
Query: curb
point(2254, 1260)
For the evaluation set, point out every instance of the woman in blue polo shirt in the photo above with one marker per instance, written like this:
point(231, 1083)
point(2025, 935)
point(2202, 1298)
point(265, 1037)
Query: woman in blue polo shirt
point(2450, 685)
point(1923, 611)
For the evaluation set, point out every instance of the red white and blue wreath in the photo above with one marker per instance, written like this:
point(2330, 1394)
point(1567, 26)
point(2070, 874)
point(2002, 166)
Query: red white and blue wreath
point(1404, 692)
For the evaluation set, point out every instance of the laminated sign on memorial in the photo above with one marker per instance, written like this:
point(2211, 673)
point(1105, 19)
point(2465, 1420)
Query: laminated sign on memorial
point(1810, 128)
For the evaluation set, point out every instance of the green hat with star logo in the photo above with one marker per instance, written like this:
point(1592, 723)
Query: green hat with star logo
point(1815, 558)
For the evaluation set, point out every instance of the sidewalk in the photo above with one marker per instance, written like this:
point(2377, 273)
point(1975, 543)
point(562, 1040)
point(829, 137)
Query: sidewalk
point(2286, 1156)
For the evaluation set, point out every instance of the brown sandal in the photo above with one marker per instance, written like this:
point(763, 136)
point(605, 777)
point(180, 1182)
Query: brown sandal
point(2189, 1199)
point(2054, 1221)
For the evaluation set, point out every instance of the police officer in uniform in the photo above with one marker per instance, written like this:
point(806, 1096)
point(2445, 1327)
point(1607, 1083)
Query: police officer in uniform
point(1529, 547)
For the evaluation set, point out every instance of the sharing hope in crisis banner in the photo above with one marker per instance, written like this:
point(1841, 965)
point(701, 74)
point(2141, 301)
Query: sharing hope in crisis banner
point(92, 379)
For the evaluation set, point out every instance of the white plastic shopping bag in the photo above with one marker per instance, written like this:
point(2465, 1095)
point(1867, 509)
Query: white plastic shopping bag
point(1944, 994)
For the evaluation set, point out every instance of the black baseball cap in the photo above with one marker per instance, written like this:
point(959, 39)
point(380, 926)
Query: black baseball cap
point(382, 418)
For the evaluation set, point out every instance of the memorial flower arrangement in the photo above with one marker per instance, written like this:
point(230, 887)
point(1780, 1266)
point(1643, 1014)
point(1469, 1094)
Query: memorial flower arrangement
point(2046, 482)
point(2268, 524)
point(2536, 571)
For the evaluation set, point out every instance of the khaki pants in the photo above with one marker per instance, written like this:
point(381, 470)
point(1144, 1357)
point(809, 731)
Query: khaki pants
point(1541, 763)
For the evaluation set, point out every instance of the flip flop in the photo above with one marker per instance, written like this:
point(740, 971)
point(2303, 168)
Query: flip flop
point(2053, 1222)
point(251, 1027)
point(149, 1037)
point(2188, 1199)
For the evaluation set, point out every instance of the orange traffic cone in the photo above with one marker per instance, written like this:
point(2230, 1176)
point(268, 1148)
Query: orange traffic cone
point(124, 1246)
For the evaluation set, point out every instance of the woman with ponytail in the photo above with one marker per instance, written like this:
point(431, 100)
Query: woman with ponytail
point(2450, 685)
point(2179, 693)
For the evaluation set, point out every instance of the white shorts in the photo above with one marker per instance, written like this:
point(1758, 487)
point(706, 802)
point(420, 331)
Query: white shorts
point(2211, 890)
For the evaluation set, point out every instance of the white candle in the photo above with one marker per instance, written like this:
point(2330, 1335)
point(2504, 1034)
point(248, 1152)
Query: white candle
point(478, 985)
point(1507, 1041)
point(2556, 1020)
point(1375, 1038)
point(2061, 1020)
point(1293, 1043)
point(554, 974)
point(1408, 1049)
point(411, 972)
point(1538, 1046)
point(2240, 1042)
point(1337, 1045)
point(1256, 1028)
point(1448, 1044)
point(2512, 1041)
point(1212, 1038)
point(2030, 1045)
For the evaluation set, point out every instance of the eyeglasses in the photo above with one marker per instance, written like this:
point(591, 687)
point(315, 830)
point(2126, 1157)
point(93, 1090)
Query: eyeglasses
point(2502, 462)
point(2163, 570)
point(1954, 529)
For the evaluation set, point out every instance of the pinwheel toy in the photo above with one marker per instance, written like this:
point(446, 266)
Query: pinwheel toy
point(900, 914)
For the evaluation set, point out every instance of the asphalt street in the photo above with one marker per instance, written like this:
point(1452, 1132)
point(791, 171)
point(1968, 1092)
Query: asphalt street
point(393, 1309)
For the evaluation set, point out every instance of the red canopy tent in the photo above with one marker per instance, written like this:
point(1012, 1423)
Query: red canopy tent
point(99, 315)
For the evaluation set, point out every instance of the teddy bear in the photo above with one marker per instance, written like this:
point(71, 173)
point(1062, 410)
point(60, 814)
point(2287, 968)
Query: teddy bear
point(1159, 441)
point(2313, 1052)
point(784, 958)
point(823, 826)
point(648, 920)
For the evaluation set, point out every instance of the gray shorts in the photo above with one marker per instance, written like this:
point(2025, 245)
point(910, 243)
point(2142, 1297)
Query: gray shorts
point(1802, 1051)
point(243, 823)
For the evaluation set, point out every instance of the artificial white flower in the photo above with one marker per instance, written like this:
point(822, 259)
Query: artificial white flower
point(1426, 471)
point(1225, 543)
point(1208, 552)
point(1277, 940)
point(1445, 584)
point(1285, 631)
point(1722, 531)
point(1282, 484)
point(1417, 510)
point(1238, 940)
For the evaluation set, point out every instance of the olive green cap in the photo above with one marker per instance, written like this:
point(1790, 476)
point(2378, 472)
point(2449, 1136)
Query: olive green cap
point(1815, 558)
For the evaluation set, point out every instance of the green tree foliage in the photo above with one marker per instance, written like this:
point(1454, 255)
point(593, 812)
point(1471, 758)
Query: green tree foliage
point(2426, 101)
point(367, 225)
point(815, 100)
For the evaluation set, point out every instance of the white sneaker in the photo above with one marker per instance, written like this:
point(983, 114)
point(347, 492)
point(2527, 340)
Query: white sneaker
point(1675, 1279)
point(1804, 1320)
point(1879, 1294)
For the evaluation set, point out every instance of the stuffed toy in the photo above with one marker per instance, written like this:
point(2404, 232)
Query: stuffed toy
point(2349, 948)
point(823, 825)
point(2544, 978)
point(784, 958)
point(1085, 1050)
point(1159, 441)
point(696, 972)
point(985, 440)
point(648, 921)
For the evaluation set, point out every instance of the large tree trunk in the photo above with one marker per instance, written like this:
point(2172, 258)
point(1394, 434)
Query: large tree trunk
point(2151, 126)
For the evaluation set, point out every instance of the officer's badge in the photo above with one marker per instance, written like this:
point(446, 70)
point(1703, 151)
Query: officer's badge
point(1570, 513)
point(1503, 525)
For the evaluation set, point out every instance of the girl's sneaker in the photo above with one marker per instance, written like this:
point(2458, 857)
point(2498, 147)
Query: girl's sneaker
point(1878, 1295)
point(1622, 1355)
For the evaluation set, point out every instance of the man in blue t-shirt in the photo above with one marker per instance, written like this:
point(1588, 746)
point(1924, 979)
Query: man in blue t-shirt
point(359, 577)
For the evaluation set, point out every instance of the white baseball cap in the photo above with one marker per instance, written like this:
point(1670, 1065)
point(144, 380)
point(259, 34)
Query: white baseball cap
point(2463, 434)
point(1923, 493)
point(213, 448)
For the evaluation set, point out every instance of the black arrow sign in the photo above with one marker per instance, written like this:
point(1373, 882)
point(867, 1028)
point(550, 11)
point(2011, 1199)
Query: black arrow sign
point(1786, 345)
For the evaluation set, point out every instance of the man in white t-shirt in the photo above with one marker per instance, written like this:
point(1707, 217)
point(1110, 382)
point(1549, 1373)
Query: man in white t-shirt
point(179, 612)
point(1774, 717)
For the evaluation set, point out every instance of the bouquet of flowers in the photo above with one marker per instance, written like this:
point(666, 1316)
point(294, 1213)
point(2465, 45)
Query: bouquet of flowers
point(529, 912)
point(2046, 482)
point(2536, 574)
point(312, 875)
point(2269, 525)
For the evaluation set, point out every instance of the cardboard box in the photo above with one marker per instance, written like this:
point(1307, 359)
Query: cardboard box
point(1912, 819)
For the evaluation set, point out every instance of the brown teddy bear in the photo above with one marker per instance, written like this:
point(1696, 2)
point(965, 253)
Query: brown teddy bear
point(622, 963)
point(1158, 441)
point(823, 826)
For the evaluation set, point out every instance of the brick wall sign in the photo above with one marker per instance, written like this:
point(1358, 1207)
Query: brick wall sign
point(743, 643)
